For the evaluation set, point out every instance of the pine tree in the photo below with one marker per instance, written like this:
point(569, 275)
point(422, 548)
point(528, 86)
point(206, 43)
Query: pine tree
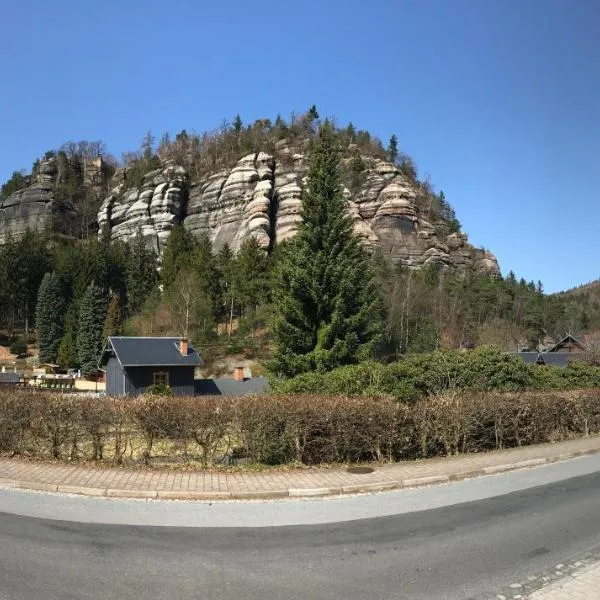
point(141, 274)
point(281, 128)
point(226, 269)
point(92, 315)
point(67, 351)
point(50, 317)
point(350, 132)
point(326, 302)
point(204, 265)
point(178, 254)
point(112, 323)
point(392, 149)
point(312, 119)
point(251, 274)
point(147, 145)
point(237, 124)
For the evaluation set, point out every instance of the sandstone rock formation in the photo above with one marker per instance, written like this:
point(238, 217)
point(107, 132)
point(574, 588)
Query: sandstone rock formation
point(35, 207)
point(153, 210)
point(261, 197)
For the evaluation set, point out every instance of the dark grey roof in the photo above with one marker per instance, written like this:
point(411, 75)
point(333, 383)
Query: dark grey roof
point(224, 386)
point(149, 351)
point(528, 357)
point(557, 359)
point(9, 378)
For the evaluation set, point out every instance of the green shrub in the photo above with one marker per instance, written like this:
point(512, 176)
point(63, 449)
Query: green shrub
point(421, 375)
point(18, 347)
point(159, 389)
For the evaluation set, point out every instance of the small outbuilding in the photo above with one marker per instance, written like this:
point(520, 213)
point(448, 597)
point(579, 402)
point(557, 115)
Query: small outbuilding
point(9, 379)
point(133, 364)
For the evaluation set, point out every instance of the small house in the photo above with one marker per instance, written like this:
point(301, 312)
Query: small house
point(560, 355)
point(133, 364)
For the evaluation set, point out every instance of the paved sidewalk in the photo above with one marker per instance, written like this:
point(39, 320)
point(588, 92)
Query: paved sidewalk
point(179, 484)
point(580, 585)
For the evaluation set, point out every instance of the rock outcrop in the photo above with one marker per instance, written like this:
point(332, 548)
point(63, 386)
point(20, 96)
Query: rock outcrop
point(35, 207)
point(152, 210)
point(261, 197)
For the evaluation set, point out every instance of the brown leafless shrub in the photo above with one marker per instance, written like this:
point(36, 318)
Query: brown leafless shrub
point(55, 421)
point(208, 421)
point(14, 422)
point(266, 430)
point(278, 429)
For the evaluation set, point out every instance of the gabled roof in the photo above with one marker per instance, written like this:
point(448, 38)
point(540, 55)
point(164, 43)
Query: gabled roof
point(568, 338)
point(149, 352)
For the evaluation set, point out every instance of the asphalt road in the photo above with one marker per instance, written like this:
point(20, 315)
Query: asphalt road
point(459, 551)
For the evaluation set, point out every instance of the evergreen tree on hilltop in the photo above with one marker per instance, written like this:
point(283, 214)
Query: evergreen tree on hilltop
point(50, 317)
point(392, 149)
point(325, 298)
point(92, 315)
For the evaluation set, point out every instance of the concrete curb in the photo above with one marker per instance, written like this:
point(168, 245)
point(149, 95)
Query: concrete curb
point(359, 488)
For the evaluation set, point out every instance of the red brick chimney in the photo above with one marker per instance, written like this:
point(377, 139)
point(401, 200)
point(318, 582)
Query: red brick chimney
point(183, 346)
point(238, 373)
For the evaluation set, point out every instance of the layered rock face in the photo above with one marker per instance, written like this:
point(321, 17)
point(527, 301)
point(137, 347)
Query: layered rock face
point(261, 197)
point(152, 210)
point(33, 208)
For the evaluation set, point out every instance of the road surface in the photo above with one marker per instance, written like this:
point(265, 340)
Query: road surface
point(467, 550)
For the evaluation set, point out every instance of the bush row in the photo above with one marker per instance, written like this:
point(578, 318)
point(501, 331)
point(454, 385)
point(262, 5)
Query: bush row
point(280, 429)
point(482, 369)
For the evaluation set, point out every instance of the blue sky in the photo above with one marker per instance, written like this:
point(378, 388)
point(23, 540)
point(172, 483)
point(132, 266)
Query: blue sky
point(498, 101)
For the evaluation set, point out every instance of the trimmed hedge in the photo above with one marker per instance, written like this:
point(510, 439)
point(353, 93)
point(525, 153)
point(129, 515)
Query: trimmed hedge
point(279, 429)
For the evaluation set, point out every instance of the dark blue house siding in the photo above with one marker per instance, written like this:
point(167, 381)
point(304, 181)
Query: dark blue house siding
point(115, 377)
point(137, 379)
point(133, 381)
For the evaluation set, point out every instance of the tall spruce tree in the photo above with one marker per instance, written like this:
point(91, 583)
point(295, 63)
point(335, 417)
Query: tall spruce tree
point(50, 317)
point(392, 149)
point(141, 274)
point(251, 275)
point(92, 315)
point(325, 298)
point(228, 294)
point(177, 254)
point(112, 322)
point(67, 351)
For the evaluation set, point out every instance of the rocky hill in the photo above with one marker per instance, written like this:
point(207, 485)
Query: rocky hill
point(232, 198)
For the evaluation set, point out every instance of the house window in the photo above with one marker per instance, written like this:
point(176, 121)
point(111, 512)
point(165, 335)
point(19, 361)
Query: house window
point(161, 378)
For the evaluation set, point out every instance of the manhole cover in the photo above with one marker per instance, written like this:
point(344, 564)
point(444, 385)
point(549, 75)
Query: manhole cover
point(360, 470)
